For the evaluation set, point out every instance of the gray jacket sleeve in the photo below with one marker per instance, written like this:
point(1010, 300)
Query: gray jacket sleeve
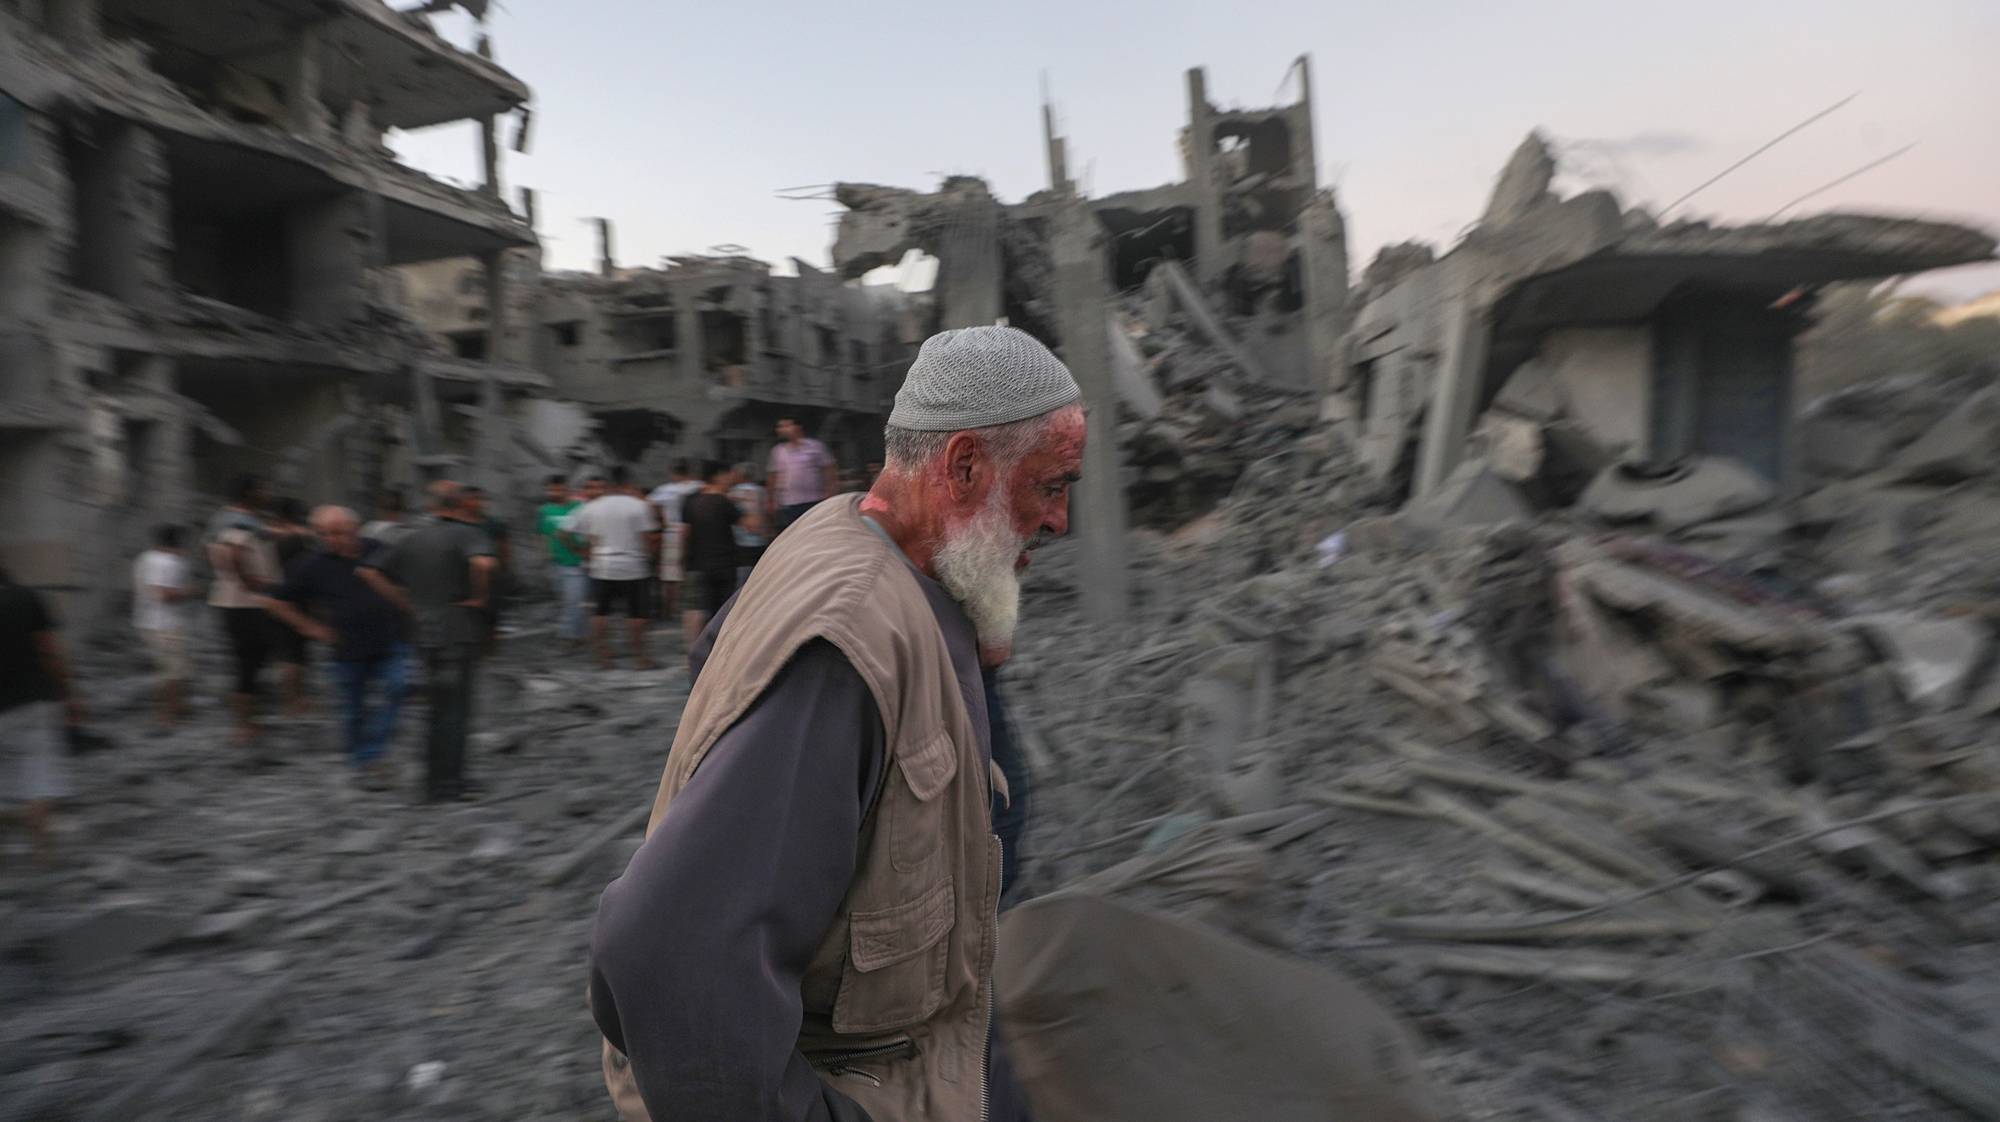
point(699, 947)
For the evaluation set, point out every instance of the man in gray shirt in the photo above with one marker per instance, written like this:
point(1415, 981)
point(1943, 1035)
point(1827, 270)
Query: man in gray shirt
point(442, 574)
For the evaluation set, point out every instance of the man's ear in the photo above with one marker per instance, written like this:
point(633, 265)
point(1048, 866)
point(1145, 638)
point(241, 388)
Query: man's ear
point(964, 458)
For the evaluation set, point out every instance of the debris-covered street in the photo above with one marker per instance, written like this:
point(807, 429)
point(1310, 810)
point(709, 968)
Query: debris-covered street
point(1054, 650)
point(234, 937)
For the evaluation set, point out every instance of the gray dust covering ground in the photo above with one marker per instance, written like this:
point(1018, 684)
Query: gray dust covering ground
point(230, 940)
point(1591, 892)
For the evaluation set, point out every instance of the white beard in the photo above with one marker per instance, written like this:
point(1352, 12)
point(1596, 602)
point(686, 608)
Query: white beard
point(976, 565)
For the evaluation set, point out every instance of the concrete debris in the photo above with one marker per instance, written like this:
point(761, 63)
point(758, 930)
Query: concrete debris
point(1378, 694)
point(1477, 494)
point(1840, 447)
point(1964, 445)
point(1934, 659)
point(1532, 392)
point(1690, 493)
point(1523, 184)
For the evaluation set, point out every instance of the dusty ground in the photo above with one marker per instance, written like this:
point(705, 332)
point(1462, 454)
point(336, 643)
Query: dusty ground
point(225, 941)
point(230, 941)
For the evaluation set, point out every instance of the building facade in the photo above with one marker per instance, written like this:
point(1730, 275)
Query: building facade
point(697, 359)
point(199, 224)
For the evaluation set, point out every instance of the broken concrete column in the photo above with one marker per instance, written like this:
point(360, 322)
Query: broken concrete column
point(494, 264)
point(969, 262)
point(1082, 292)
point(1454, 394)
point(489, 156)
point(302, 85)
point(169, 463)
point(1323, 247)
point(1201, 172)
point(687, 338)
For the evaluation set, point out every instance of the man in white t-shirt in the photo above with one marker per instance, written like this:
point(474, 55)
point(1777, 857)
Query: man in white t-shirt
point(623, 536)
point(162, 586)
point(667, 499)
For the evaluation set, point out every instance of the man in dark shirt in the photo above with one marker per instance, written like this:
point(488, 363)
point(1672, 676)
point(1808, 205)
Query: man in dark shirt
point(364, 628)
point(442, 575)
point(35, 702)
point(708, 549)
point(503, 559)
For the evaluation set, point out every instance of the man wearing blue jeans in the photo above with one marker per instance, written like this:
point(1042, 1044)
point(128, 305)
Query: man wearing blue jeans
point(325, 599)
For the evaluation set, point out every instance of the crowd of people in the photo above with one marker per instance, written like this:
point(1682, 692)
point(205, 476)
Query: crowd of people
point(399, 600)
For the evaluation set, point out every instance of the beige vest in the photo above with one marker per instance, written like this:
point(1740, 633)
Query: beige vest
point(897, 999)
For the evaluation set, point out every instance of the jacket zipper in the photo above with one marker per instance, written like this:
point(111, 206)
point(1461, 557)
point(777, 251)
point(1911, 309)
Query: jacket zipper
point(993, 948)
point(846, 1062)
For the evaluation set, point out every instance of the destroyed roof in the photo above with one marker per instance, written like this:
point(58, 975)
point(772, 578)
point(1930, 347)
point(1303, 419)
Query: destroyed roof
point(1628, 278)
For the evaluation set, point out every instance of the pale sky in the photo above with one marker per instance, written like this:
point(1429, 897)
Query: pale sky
point(681, 122)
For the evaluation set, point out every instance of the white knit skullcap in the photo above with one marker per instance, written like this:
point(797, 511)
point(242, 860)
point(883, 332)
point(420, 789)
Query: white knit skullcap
point(971, 377)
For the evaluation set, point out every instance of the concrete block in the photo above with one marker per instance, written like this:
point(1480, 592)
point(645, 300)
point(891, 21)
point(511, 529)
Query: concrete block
point(1706, 489)
point(1934, 659)
point(1514, 445)
point(1961, 446)
point(1532, 391)
point(1843, 447)
point(1473, 495)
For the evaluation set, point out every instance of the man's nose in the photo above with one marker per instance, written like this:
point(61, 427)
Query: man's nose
point(1056, 522)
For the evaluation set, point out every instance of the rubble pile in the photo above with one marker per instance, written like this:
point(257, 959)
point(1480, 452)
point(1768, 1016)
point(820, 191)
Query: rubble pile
point(230, 938)
point(1628, 820)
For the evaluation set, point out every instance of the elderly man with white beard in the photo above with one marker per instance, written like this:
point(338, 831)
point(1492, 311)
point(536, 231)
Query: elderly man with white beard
point(808, 930)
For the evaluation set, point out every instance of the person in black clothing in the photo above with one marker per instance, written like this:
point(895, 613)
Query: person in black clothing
point(503, 557)
point(366, 631)
point(292, 538)
point(708, 549)
point(36, 700)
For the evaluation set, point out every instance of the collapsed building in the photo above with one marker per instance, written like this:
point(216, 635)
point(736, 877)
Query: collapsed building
point(1183, 309)
point(1574, 349)
point(199, 221)
point(1248, 235)
point(699, 358)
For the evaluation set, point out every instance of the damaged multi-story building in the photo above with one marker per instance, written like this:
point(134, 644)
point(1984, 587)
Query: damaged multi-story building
point(1251, 240)
point(198, 223)
point(1235, 273)
point(698, 358)
point(1567, 341)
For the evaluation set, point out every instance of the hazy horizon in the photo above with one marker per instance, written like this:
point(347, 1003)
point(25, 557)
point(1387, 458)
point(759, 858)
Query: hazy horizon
point(642, 116)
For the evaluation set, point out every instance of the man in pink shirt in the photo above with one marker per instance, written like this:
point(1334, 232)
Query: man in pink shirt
point(801, 473)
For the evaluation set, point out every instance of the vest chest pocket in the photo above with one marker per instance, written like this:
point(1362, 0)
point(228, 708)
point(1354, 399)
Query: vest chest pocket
point(914, 810)
point(894, 974)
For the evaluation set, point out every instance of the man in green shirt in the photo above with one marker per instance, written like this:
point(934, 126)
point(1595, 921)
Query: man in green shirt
point(565, 567)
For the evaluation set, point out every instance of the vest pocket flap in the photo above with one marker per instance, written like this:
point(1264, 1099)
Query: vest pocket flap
point(891, 935)
point(928, 765)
